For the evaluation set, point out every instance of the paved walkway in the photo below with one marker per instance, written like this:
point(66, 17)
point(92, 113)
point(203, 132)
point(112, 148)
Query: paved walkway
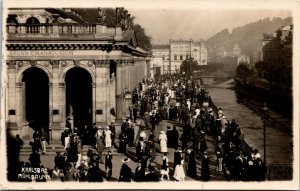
point(48, 159)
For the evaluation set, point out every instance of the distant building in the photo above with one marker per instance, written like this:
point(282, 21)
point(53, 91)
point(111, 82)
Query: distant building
point(160, 59)
point(277, 48)
point(169, 57)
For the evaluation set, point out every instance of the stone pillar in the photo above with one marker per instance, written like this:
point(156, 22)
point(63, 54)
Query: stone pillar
point(128, 86)
point(62, 96)
point(119, 91)
point(112, 96)
point(19, 109)
point(102, 72)
point(56, 102)
point(94, 102)
point(14, 106)
point(50, 86)
point(124, 88)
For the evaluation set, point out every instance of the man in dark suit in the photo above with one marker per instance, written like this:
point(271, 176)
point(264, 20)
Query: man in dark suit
point(139, 175)
point(108, 165)
point(35, 159)
point(151, 177)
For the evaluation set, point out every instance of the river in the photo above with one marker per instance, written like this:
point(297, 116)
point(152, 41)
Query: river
point(247, 113)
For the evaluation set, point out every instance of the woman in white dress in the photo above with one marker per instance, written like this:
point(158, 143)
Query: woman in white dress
point(179, 171)
point(107, 140)
point(163, 142)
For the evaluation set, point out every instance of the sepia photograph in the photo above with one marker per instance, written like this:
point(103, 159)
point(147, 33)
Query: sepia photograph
point(150, 95)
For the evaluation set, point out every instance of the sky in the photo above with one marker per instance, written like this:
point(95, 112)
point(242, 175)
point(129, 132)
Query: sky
point(164, 24)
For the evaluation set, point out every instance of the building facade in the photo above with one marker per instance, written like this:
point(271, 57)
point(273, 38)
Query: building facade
point(277, 48)
point(160, 59)
point(59, 65)
point(169, 57)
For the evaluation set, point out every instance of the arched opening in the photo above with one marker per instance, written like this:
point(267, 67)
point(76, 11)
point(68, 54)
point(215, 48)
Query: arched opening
point(32, 20)
point(11, 19)
point(36, 84)
point(79, 96)
point(32, 25)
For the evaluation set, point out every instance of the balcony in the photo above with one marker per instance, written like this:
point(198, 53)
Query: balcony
point(60, 31)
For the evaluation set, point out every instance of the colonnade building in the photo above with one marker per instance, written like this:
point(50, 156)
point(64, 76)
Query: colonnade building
point(59, 65)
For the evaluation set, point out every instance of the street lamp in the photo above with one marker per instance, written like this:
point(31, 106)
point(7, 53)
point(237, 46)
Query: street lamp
point(265, 112)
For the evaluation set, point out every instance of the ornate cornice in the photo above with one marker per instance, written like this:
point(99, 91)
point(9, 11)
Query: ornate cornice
point(102, 63)
point(80, 46)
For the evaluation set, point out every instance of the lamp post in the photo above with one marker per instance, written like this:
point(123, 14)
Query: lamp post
point(265, 111)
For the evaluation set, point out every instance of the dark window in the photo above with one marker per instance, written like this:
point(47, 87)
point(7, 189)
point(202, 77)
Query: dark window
point(99, 111)
point(175, 57)
point(12, 112)
point(55, 111)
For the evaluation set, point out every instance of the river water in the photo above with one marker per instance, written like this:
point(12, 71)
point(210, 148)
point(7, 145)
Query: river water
point(247, 113)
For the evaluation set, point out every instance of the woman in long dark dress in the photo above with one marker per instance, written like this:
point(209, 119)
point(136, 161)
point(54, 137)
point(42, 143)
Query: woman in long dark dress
point(203, 145)
point(175, 136)
point(205, 173)
point(122, 143)
point(125, 172)
point(192, 169)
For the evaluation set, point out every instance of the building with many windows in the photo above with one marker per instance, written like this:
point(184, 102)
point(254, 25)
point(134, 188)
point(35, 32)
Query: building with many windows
point(169, 57)
point(61, 65)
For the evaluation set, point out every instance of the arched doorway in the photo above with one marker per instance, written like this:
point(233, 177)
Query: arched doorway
point(79, 96)
point(36, 94)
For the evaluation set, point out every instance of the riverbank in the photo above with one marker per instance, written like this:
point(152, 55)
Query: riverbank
point(279, 143)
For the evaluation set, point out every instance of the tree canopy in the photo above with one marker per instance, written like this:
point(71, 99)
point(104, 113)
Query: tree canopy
point(188, 66)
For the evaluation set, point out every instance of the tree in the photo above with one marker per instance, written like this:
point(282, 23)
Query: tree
point(144, 41)
point(243, 71)
point(189, 66)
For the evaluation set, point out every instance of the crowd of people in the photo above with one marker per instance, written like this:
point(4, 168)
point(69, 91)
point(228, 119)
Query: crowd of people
point(182, 101)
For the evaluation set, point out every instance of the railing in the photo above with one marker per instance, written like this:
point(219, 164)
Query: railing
point(72, 28)
point(77, 28)
point(29, 28)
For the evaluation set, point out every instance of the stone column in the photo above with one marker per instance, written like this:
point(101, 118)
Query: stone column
point(50, 86)
point(128, 85)
point(62, 105)
point(56, 102)
point(124, 88)
point(19, 109)
point(119, 91)
point(112, 95)
point(94, 102)
point(102, 72)
point(14, 107)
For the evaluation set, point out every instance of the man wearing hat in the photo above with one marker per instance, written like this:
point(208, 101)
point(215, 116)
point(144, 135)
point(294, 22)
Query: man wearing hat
point(125, 172)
